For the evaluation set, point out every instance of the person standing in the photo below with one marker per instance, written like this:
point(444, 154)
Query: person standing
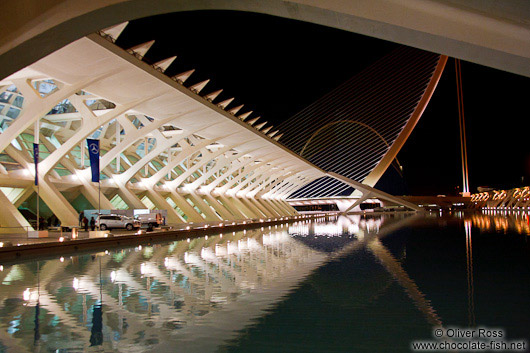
point(85, 223)
point(81, 216)
point(92, 224)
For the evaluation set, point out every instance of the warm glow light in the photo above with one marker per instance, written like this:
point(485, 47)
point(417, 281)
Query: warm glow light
point(26, 294)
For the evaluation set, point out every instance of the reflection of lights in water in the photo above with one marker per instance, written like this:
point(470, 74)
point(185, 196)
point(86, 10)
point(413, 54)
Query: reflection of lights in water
point(328, 229)
point(501, 221)
point(470, 282)
point(232, 248)
point(220, 250)
point(30, 295)
point(113, 276)
point(242, 245)
point(75, 283)
point(298, 229)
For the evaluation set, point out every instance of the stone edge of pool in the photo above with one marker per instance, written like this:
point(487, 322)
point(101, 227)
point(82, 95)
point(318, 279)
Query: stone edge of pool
point(30, 252)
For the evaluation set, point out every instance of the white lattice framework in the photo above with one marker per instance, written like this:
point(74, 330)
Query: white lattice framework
point(163, 145)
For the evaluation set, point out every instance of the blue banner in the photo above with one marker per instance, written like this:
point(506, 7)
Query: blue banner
point(93, 152)
point(36, 161)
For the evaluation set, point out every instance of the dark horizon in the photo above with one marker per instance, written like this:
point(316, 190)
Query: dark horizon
point(277, 67)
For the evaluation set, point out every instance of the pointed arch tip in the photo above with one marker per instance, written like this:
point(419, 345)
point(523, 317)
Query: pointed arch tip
point(252, 121)
point(183, 76)
point(245, 115)
point(197, 88)
point(141, 49)
point(115, 31)
point(259, 126)
point(236, 109)
point(164, 64)
point(225, 103)
point(266, 130)
point(211, 96)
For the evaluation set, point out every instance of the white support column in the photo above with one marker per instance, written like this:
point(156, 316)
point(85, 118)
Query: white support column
point(161, 203)
point(290, 209)
point(265, 209)
point(118, 138)
point(23, 196)
point(83, 152)
point(11, 220)
point(271, 205)
point(231, 207)
point(223, 211)
point(234, 202)
point(146, 168)
point(169, 155)
point(245, 209)
point(205, 209)
point(276, 206)
point(180, 201)
point(221, 163)
point(129, 196)
point(91, 192)
point(253, 207)
point(58, 203)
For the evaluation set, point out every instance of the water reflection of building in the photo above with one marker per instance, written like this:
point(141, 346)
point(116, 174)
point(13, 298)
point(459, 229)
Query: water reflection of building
point(196, 293)
point(501, 221)
point(209, 286)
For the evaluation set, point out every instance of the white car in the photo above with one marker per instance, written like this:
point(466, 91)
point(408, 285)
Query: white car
point(117, 221)
point(150, 219)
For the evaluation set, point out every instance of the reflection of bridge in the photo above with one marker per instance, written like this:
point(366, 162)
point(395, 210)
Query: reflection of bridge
point(206, 288)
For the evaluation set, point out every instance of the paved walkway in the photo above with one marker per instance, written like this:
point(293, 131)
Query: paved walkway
point(21, 238)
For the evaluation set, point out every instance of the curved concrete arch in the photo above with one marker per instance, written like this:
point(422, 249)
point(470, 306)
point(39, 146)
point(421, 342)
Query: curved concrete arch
point(486, 32)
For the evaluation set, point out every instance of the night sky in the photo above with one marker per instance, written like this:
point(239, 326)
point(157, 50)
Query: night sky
point(276, 67)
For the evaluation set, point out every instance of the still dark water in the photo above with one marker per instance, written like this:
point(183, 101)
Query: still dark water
point(352, 285)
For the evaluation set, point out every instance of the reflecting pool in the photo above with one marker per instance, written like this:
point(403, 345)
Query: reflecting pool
point(353, 284)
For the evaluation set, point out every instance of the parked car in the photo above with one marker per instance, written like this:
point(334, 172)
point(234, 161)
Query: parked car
point(150, 219)
point(117, 221)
